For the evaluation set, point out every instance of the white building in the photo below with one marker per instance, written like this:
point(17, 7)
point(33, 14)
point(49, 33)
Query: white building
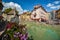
point(11, 16)
point(39, 14)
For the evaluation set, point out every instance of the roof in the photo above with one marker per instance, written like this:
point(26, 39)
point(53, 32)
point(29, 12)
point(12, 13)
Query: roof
point(39, 6)
point(27, 13)
point(58, 10)
point(11, 12)
point(55, 11)
point(43, 9)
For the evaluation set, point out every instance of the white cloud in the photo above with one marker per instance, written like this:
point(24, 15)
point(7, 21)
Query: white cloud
point(56, 2)
point(13, 5)
point(58, 6)
point(49, 5)
point(54, 5)
point(26, 10)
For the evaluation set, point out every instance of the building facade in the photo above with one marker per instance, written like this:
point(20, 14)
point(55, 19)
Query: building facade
point(39, 14)
point(11, 16)
point(55, 16)
point(25, 16)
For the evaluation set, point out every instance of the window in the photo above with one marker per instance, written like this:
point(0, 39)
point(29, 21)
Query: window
point(42, 13)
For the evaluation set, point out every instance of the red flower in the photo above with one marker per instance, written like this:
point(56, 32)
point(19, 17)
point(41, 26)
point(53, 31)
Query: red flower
point(8, 26)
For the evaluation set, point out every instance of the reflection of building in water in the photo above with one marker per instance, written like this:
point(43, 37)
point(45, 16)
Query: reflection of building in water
point(39, 14)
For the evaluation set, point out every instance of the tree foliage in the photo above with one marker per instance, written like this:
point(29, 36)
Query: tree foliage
point(7, 10)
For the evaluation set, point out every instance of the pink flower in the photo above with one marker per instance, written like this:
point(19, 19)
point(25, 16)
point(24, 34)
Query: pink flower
point(23, 37)
point(8, 26)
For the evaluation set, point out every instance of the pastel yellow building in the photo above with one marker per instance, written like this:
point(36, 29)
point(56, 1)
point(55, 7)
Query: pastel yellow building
point(25, 16)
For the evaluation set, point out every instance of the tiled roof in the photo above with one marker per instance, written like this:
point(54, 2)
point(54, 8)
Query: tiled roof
point(39, 6)
point(11, 12)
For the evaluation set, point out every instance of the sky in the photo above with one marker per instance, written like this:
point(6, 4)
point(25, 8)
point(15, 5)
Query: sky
point(28, 5)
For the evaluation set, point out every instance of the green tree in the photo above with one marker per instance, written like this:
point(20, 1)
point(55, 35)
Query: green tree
point(7, 10)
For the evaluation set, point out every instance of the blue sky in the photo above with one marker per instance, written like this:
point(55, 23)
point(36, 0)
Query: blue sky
point(49, 5)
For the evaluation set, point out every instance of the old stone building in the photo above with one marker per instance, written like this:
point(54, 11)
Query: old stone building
point(58, 14)
point(25, 16)
point(55, 16)
point(11, 16)
point(39, 14)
